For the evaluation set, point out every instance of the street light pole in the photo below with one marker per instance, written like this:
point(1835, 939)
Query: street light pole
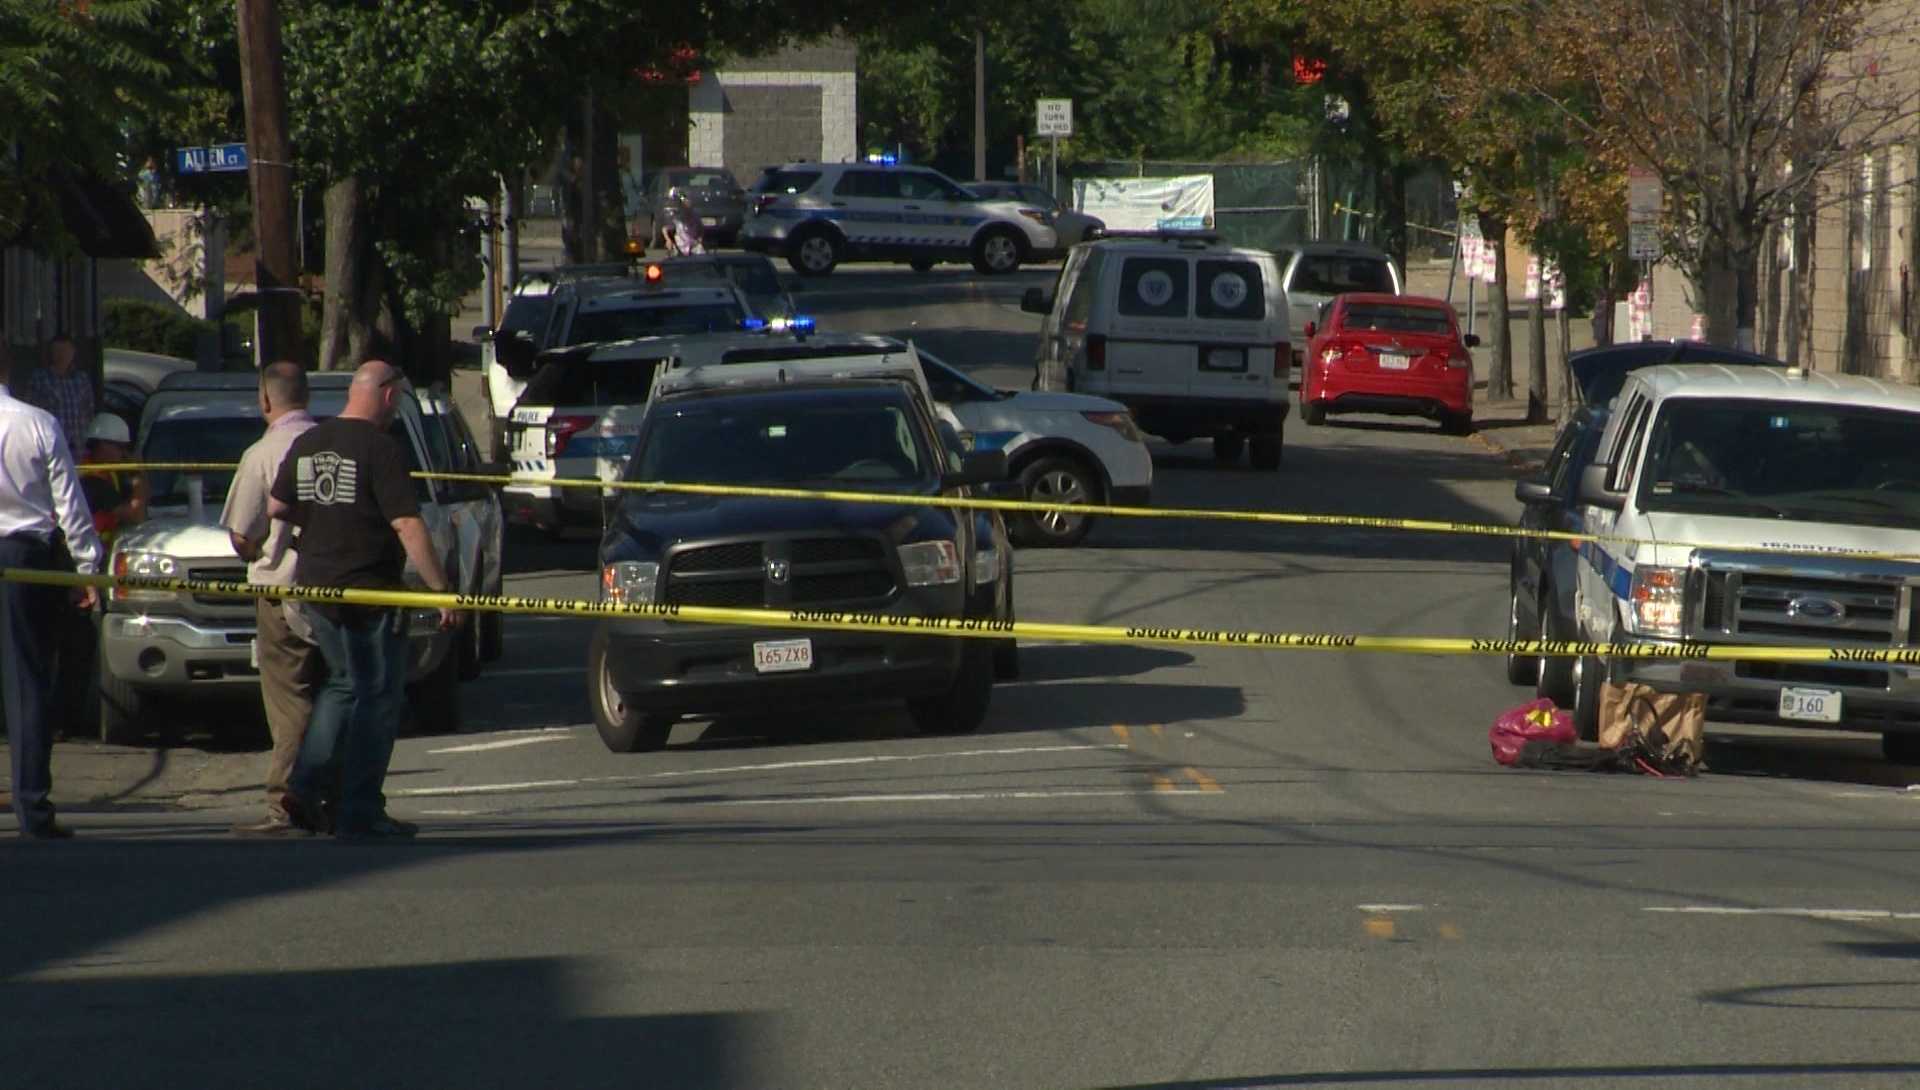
point(979, 105)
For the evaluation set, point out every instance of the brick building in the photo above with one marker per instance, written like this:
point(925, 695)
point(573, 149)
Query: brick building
point(792, 105)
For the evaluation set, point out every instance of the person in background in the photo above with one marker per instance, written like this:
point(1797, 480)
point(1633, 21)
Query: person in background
point(118, 498)
point(64, 390)
point(291, 669)
point(344, 486)
point(44, 525)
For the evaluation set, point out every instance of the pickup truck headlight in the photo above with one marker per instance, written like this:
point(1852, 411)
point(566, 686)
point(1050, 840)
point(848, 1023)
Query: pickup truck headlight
point(143, 565)
point(629, 581)
point(1659, 597)
point(930, 563)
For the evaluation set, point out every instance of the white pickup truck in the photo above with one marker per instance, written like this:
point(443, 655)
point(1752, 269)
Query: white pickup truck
point(1741, 487)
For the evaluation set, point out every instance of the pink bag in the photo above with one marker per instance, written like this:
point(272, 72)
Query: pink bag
point(1538, 721)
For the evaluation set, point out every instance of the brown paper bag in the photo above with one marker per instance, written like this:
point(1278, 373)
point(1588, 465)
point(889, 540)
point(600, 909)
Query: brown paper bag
point(1670, 726)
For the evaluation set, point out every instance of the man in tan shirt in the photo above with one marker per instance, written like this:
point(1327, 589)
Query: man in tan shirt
point(291, 669)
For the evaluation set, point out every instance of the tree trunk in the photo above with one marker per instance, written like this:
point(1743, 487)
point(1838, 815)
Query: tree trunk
point(1800, 285)
point(1537, 348)
point(1770, 297)
point(516, 200)
point(1566, 369)
point(354, 279)
point(1392, 210)
point(1499, 322)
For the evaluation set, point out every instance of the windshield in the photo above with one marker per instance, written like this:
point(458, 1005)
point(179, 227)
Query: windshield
point(1327, 274)
point(187, 439)
point(527, 314)
point(785, 444)
point(1397, 318)
point(1784, 460)
point(590, 327)
point(713, 180)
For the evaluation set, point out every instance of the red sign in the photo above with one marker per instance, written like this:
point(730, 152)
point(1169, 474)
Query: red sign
point(1308, 70)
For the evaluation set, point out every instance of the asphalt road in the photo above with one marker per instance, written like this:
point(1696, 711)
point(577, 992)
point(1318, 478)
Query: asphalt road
point(1152, 867)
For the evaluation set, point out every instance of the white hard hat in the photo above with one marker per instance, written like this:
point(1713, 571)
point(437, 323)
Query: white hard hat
point(109, 428)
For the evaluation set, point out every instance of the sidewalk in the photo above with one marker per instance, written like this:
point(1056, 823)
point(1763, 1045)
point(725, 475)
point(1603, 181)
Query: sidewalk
point(1501, 428)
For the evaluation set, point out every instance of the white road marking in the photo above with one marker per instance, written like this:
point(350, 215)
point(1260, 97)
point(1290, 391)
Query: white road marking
point(503, 743)
point(826, 762)
point(953, 796)
point(453, 813)
point(1377, 909)
point(536, 671)
point(1797, 913)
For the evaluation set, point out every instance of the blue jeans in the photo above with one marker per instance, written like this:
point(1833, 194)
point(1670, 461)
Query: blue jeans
point(355, 714)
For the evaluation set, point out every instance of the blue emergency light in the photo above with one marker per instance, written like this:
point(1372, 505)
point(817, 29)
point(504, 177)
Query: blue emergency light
point(753, 325)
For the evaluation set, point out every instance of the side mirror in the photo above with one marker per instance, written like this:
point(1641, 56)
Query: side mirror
point(1471, 340)
point(516, 354)
point(1532, 492)
point(1309, 329)
point(1035, 301)
point(1594, 490)
point(979, 467)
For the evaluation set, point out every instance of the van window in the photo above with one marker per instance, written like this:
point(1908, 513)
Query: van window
point(1080, 294)
point(1230, 289)
point(1628, 449)
point(1154, 287)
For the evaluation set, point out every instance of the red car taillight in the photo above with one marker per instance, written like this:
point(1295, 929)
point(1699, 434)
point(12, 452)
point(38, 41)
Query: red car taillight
point(1096, 352)
point(1459, 358)
point(561, 429)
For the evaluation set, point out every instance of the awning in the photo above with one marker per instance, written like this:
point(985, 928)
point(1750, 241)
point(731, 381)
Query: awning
point(104, 221)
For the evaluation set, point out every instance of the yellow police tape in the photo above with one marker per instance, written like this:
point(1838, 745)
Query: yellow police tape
point(1270, 518)
point(975, 628)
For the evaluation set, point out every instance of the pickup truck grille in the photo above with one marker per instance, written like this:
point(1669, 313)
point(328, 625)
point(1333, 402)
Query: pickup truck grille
point(1782, 607)
point(221, 574)
point(820, 571)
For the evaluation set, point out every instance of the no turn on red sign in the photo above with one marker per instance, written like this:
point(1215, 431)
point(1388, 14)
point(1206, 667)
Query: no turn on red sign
point(1054, 117)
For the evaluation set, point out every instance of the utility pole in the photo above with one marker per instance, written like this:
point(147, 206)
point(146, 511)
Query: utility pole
point(589, 182)
point(276, 267)
point(979, 105)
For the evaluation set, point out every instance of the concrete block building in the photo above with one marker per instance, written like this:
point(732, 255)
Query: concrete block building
point(797, 104)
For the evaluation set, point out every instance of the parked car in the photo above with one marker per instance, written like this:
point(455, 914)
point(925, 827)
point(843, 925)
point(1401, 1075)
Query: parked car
point(1314, 273)
point(158, 646)
point(477, 520)
point(507, 351)
point(712, 193)
point(1402, 355)
point(1740, 486)
point(1189, 333)
point(768, 297)
point(1072, 227)
point(1543, 572)
point(817, 215)
point(772, 424)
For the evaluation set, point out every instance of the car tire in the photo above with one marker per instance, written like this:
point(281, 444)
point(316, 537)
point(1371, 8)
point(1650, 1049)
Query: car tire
point(623, 727)
point(1457, 424)
point(493, 634)
point(1589, 671)
point(122, 711)
point(1556, 671)
point(1521, 669)
point(433, 703)
point(998, 250)
point(814, 251)
point(1901, 748)
point(921, 264)
point(1264, 450)
point(1226, 448)
point(1050, 479)
point(472, 656)
point(963, 706)
point(1314, 413)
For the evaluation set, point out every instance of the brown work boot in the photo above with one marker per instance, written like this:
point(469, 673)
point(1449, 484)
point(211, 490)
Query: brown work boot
point(275, 825)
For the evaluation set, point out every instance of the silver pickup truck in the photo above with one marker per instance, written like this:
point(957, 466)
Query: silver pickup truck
point(158, 647)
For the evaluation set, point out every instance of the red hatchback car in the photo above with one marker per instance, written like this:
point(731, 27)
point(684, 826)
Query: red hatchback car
point(1396, 354)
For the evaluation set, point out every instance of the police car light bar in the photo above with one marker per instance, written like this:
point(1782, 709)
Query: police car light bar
point(801, 325)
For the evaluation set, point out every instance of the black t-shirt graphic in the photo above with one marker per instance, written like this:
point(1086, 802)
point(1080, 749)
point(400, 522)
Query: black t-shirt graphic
point(346, 481)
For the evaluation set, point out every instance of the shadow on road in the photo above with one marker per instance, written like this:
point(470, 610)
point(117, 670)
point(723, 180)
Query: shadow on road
point(1836, 1074)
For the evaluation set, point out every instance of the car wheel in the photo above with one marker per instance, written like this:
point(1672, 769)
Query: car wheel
point(815, 253)
point(1556, 671)
point(1314, 413)
point(1263, 450)
point(1226, 448)
point(623, 727)
point(921, 264)
point(1589, 671)
point(1521, 669)
point(472, 656)
point(963, 706)
point(998, 251)
point(1457, 424)
point(1055, 480)
point(121, 711)
point(433, 704)
point(493, 634)
point(1903, 749)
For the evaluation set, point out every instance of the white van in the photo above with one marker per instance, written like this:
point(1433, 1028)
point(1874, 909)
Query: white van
point(1188, 332)
point(1739, 485)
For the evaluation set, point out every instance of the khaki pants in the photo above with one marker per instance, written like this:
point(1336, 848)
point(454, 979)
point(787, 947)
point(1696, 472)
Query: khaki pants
point(291, 671)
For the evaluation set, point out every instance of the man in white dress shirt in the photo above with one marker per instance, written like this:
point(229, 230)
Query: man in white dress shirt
point(43, 520)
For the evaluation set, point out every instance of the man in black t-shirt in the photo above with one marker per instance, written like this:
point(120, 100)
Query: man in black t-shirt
point(344, 487)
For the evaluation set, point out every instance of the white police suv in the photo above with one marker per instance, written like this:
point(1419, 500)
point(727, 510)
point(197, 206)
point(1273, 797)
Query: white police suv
point(818, 215)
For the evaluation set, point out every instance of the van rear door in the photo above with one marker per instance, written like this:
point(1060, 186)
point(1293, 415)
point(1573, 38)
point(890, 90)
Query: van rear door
point(1237, 355)
point(1149, 350)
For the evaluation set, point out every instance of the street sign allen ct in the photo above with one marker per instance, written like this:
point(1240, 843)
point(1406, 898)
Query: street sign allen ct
point(218, 159)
